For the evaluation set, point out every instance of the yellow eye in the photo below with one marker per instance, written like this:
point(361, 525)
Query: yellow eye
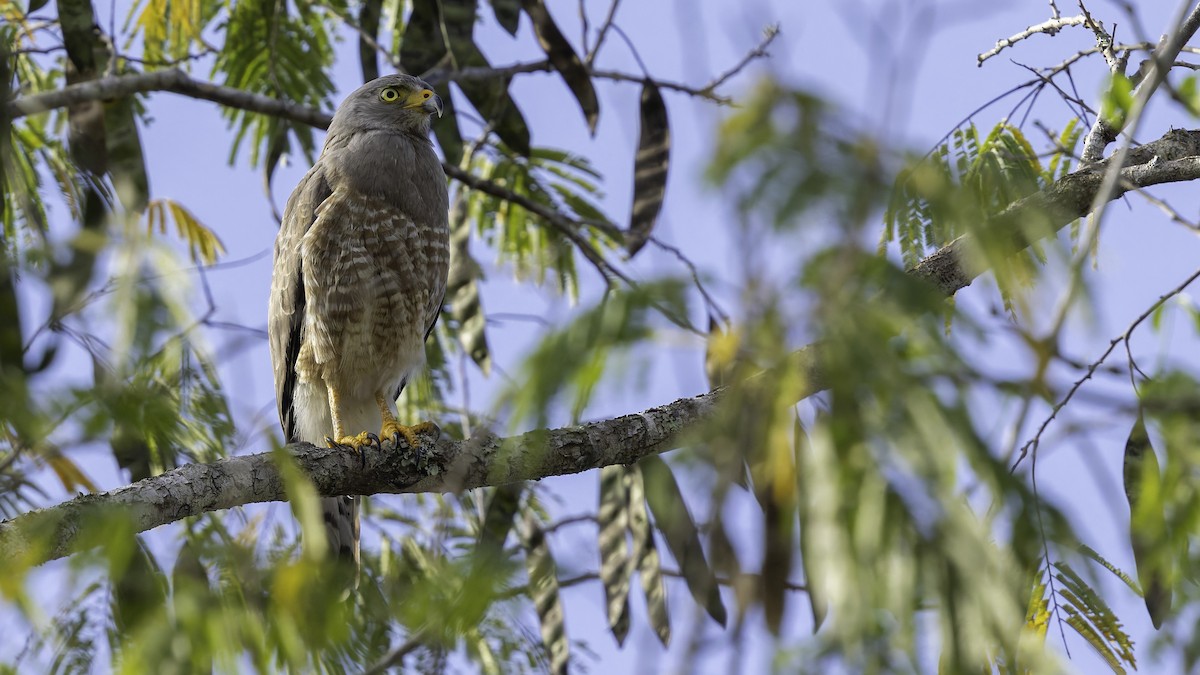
point(389, 95)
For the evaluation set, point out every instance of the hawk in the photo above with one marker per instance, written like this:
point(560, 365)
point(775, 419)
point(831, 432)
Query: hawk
point(360, 272)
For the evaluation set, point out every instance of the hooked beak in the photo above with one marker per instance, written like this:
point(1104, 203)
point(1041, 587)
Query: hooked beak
point(426, 100)
point(434, 105)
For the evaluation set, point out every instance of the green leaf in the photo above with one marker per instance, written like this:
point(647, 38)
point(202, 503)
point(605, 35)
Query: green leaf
point(1092, 618)
point(615, 563)
point(564, 59)
point(1147, 524)
point(683, 539)
point(645, 556)
point(649, 167)
point(1117, 100)
point(139, 590)
point(543, 589)
point(269, 51)
point(1088, 552)
point(305, 504)
point(170, 28)
point(204, 245)
point(569, 363)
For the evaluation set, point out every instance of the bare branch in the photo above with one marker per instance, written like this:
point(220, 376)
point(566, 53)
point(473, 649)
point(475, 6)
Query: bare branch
point(769, 34)
point(1050, 27)
point(1095, 365)
point(175, 81)
point(1102, 133)
point(603, 33)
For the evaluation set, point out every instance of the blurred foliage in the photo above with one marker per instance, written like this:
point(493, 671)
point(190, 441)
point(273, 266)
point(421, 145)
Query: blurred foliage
point(964, 182)
point(887, 499)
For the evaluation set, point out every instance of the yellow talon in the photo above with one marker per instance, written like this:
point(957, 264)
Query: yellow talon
point(355, 442)
point(391, 428)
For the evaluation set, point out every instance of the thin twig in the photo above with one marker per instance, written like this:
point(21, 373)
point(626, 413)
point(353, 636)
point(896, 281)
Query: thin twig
point(587, 577)
point(709, 302)
point(1169, 210)
point(769, 34)
point(1050, 27)
point(1095, 365)
point(604, 28)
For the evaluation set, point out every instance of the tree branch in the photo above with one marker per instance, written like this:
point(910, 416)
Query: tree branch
point(1171, 159)
point(1050, 27)
point(172, 80)
point(447, 466)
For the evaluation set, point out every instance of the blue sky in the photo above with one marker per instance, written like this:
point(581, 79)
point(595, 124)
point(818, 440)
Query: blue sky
point(903, 70)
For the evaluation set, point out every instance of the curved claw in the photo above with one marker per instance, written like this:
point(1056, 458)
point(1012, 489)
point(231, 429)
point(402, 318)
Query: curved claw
point(330, 443)
point(396, 440)
point(374, 440)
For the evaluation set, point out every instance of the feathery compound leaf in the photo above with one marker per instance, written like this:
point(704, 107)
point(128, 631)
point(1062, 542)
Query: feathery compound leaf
point(204, 245)
point(671, 514)
point(1088, 552)
point(543, 587)
point(615, 567)
point(1094, 641)
point(564, 59)
point(1096, 622)
point(268, 51)
point(1147, 521)
point(1037, 616)
point(649, 167)
point(170, 28)
point(645, 556)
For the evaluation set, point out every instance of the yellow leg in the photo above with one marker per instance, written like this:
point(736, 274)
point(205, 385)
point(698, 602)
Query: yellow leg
point(335, 413)
point(391, 427)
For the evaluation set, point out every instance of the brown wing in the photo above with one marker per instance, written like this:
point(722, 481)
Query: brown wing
point(286, 314)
